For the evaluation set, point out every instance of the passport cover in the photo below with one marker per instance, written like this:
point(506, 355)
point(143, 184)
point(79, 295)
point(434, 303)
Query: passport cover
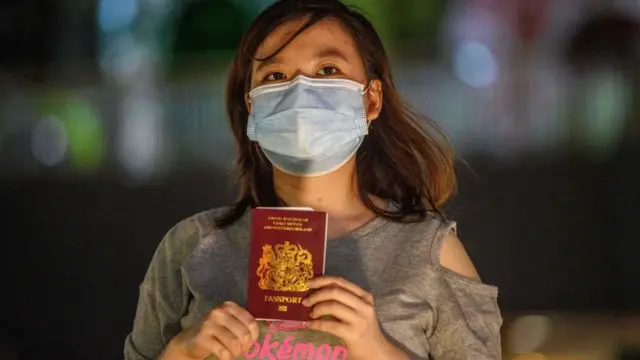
point(288, 247)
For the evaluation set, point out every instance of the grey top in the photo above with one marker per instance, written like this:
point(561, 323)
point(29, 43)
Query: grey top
point(425, 308)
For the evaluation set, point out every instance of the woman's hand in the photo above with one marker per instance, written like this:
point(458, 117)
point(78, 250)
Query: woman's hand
point(355, 319)
point(226, 332)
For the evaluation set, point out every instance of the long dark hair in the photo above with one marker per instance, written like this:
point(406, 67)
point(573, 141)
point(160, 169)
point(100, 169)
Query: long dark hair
point(405, 159)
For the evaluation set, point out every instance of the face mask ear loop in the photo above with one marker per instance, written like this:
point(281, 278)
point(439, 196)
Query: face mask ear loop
point(366, 89)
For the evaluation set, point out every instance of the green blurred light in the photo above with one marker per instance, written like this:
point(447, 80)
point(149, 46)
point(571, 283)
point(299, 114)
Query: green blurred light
point(85, 133)
point(606, 109)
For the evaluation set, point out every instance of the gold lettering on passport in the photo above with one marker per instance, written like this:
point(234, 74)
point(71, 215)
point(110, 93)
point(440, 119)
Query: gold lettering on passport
point(283, 299)
point(284, 223)
point(287, 267)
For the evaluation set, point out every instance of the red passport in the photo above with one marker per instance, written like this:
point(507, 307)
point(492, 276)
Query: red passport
point(288, 247)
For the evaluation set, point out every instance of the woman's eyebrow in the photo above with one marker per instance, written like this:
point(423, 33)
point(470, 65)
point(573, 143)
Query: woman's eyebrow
point(274, 60)
point(331, 53)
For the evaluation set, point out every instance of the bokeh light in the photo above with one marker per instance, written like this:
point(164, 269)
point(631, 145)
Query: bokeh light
point(475, 64)
point(49, 141)
point(528, 333)
point(115, 15)
point(85, 137)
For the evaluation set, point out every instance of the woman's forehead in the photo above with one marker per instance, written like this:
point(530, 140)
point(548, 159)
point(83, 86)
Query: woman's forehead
point(326, 32)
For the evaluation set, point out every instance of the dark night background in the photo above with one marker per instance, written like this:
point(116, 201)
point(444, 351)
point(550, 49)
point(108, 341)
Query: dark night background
point(87, 192)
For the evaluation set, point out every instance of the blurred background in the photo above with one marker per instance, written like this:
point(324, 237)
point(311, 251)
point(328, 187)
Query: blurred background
point(112, 129)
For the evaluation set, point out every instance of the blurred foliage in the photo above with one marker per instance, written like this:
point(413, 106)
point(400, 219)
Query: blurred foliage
point(409, 27)
point(212, 29)
point(208, 27)
point(416, 25)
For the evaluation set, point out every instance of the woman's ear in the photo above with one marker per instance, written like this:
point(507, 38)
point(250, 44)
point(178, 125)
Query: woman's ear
point(373, 100)
point(247, 102)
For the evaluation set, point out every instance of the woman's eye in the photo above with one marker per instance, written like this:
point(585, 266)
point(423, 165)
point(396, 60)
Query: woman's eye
point(328, 70)
point(274, 76)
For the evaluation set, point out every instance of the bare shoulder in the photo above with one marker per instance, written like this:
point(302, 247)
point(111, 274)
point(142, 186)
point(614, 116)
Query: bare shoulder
point(454, 257)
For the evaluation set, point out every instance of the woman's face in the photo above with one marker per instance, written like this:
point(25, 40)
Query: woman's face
point(325, 50)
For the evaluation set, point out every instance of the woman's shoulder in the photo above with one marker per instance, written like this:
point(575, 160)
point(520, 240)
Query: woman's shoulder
point(435, 239)
point(186, 235)
point(422, 231)
point(448, 257)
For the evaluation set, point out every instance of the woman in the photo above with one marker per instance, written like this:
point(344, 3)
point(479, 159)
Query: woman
point(318, 123)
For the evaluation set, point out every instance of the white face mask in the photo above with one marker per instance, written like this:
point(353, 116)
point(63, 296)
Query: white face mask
point(308, 127)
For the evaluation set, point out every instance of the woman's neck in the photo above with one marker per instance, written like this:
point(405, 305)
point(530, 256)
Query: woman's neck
point(335, 193)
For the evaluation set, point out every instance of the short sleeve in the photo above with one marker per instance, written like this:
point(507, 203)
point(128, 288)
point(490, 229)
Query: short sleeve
point(163, 295)
point(468, 316)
